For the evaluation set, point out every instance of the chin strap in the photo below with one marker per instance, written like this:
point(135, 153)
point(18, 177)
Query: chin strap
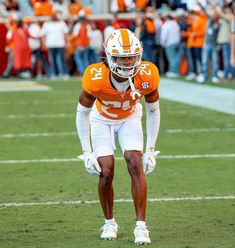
point(134, 92)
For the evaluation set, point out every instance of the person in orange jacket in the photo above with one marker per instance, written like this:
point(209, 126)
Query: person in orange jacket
point(74, 7)
point(43, 8)
point(195, 41)
point(21, 50)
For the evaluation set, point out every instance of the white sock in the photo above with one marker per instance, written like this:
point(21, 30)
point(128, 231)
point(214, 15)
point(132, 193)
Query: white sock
point(109, 221)
point(140, 223)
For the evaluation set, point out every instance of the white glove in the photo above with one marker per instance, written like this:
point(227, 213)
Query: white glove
point(91, 163)
point(149, 161)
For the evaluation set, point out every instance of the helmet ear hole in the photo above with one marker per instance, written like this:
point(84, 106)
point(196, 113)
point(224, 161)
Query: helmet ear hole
point(123, 44)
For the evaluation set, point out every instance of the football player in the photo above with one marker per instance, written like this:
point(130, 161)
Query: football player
point(108, 105)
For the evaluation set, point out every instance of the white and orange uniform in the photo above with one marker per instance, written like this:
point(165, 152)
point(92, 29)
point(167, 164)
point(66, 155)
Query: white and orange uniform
point(115, 111)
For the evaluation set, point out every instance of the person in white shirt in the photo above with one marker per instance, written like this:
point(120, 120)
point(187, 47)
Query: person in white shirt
point(55, 35)
point(3, 11)
point(130, 5)
point(159, 59)
point(96, 44)
point(170, 40)
point(35, 46)
point(25, 8)
point(61, 8)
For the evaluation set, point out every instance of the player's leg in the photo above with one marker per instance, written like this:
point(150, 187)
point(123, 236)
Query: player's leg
point(138, 182)
point(105, 185)
point(139, 194)
point(130, 137)
point(131, 141)
point(103, 150)
point(106, 196)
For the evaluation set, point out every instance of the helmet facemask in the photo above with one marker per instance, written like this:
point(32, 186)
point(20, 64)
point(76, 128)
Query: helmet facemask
point(122, 69)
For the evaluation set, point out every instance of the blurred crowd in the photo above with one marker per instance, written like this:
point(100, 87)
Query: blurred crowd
point(194, 38)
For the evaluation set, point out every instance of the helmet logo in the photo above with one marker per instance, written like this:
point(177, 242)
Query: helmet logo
point(127, 51)
point(125, 39)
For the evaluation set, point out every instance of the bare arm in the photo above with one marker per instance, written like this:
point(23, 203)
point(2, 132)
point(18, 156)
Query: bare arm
point(86, 99)
point(152, 96)
point(220, 12)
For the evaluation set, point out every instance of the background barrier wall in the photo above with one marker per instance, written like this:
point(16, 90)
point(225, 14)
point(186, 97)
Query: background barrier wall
point(3, 54)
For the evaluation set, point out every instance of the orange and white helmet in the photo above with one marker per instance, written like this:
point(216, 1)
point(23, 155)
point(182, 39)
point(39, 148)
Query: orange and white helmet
point(122, 43)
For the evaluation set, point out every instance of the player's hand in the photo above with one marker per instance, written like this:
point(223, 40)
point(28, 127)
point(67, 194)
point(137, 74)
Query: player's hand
point(91, 163)
point(149, 161)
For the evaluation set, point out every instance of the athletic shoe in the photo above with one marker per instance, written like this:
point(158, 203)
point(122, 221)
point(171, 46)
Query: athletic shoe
point(109, 231)
point(215, 80)
point(65, 77)
point(190, 76)
point(200, 79)
point(141, 236)
point(220, 74)
point(171, 74)
point(53, 77)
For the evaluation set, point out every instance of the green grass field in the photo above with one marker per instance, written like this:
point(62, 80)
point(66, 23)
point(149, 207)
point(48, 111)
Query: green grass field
point(38, 127)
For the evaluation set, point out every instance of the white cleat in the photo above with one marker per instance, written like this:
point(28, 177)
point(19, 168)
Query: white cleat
point(141, 236)
point(109, 231)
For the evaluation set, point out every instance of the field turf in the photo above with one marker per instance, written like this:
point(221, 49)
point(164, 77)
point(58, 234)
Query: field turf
point(47, 199)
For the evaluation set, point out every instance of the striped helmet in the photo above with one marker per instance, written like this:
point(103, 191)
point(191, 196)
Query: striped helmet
point(124, 52)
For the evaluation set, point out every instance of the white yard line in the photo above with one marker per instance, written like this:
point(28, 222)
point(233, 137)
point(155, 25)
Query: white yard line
point(38, 102)
point(180, 130)
point(213, 98)
point(38, 116)
point(200, 130)
point(8, 86)
point(80, 202)
point(62, 160)
point(55, 115)
point(25, 135)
